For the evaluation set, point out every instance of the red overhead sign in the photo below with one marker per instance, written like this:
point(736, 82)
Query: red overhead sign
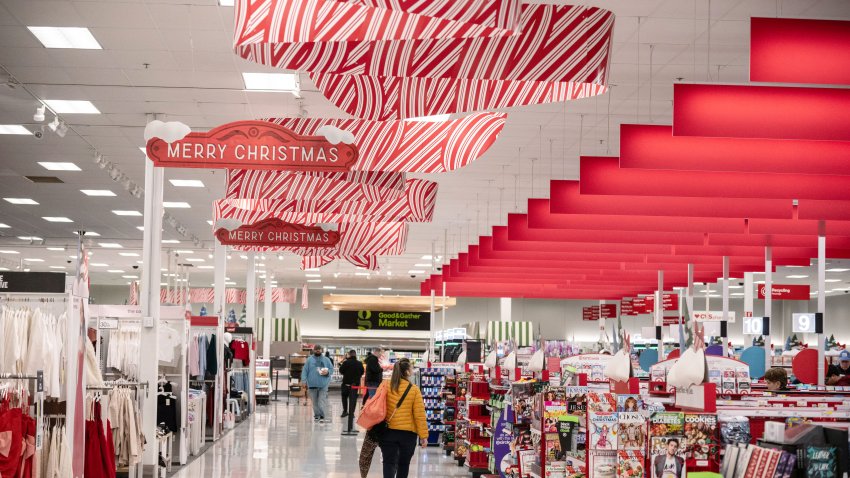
point(626, 307)
point(274, 232)
point(590, 313)
point(608, 311)
point(670, 320)
point(786, 292)
point(671, 302)
point(252, 145)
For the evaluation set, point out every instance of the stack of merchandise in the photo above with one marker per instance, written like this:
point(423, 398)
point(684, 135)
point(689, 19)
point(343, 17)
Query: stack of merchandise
point(751, 461)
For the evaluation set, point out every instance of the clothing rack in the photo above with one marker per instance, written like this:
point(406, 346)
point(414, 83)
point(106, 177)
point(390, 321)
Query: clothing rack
point(38, 380)
point(109, 385)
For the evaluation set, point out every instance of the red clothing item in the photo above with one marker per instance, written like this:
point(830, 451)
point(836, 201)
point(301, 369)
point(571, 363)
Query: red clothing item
point(241, 351)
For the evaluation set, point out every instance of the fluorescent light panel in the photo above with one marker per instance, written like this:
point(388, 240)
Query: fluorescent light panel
point(170, 241)
point(128, 254)
point(110, 245)
point(176, 204)
point(81, 107)
point(89, 234)
point(8, 251)
point(315, 280)
point(59, 166)
point(29, 238)
point(13, 129)
point(837, 269)
point(33, 259)
point(4, 226)
point(66, 37)
point(271, 82)
point(20, 201)
point(56, 219)
point(55, 248)
point(97, 192)
point(797, 276)
point(120, 212)
point(187, 183)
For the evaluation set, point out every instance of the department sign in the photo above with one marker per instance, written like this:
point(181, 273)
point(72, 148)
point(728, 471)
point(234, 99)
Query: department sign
point(382, 320)
point(252, 145)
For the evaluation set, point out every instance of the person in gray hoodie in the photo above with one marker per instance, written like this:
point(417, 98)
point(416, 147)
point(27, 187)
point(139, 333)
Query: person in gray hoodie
point(316, 375)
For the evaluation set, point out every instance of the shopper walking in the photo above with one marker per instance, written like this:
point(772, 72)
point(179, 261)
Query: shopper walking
point(406, 422)
point(351, 370)
point(316, 375)
point(374, 372)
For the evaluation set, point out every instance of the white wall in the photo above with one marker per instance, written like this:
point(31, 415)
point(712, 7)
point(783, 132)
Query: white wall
point(557, 319)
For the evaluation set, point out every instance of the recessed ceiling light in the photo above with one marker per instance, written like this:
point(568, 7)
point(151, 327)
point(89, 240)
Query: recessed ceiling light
point(329, 287)
point(797, 276)
point(13, 129)
point(4, 226)
point(141, 228)
point(128, 254)
point(184, 251)
point(82, 107)
point(229, 283)
point(736, 287)
point(89, 234)
point(243, 257)
point(140, 262)
point(415, 271)
point(195, 259)
point(56, 219)
point(206, 267)
point(837, 269)
point(33, 259)
point(225, 3)
point(365, 274)
point(29, 238)
point(832, 280)
point(110, 245)
point(121, 212)
point(57, 267)
point(314, 280)
point(97, 192)
point(7, 251)
point(312, 275)
point(314, 269)
point(115, 271)
point(99, 264)
point(385, 288)
point(187, 183)
point(170, 241)
point(738, 294)
point(59, 166)
point(55, 248)
point(431, 119)
point(20, 201)
point(422, 265)
point(287, 82)
point(130, 277)
point(66, 37)
point(210, 223)
point(758, 282)
point(176, 204)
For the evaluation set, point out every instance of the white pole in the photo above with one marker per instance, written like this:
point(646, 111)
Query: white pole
point(150, 301)
point(725, 300)
point(443, 348)
point(220, 306)
point(251, 291)
point(821, 304)
point(768, 299)
point(659, 313)
point(267, 320)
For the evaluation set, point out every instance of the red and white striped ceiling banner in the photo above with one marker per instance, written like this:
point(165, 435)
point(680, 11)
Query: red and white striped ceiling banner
point(384, 59)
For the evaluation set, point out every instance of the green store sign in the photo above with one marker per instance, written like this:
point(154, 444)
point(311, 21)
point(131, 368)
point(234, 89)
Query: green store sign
point(384, 320)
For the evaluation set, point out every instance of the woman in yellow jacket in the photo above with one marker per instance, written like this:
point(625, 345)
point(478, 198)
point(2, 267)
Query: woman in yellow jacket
point(405, 425)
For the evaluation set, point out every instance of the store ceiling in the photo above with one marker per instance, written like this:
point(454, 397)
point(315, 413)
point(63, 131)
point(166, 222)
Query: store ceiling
point(174, 59)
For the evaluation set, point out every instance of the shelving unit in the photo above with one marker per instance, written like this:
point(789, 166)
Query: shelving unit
point(432, 383)
point(449, 414)
point(263, 387)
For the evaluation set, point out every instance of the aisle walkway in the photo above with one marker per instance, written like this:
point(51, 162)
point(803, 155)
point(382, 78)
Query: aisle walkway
point(283, 441)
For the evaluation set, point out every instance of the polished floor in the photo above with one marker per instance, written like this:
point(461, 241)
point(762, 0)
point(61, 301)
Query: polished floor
point(281, 440)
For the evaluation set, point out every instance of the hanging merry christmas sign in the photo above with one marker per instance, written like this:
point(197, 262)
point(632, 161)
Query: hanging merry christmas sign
point(274, 232)
point(252, 145)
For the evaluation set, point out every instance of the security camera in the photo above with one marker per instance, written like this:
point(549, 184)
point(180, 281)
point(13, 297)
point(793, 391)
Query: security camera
point(68, 261)
point(413, 276)
point(740, 283)
point(135, 267)
point(38, 134)
point(439, 268)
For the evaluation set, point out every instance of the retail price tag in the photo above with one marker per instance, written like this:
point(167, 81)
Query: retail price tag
point(801, 403)
point(107, 324)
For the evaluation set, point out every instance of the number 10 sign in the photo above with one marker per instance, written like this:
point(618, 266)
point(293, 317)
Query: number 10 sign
point(807, 323)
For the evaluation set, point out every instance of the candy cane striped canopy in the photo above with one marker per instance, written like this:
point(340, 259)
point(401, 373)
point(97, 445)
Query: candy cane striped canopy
point(386, 59)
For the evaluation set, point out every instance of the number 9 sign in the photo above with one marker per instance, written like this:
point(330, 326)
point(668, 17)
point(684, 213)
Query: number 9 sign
point(807, 323)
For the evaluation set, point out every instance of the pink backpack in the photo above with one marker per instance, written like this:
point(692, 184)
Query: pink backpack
point(375, 410)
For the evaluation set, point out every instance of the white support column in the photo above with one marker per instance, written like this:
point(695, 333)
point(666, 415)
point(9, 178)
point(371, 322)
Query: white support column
point(150, 302)
point(725, 300)
point(219, 306)
point(659, 313)
point(505, 309)
point(821, 304)
point(433, 319)
point(267, 318)
point(689, 296)
point(251, 291)
point(768, 299)
point(749, 297)
point(443, 327)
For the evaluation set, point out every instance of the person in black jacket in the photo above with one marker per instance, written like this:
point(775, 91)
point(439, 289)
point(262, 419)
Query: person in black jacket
point(374, 372)
point(351, 370)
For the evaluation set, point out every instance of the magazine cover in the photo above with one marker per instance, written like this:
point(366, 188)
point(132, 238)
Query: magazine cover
point(601, 402)
point(667, 448)
point(629, 403)
point(523, 402)
point(702, 441)
point(553, 448)
point(603, 431)
point(526, 459)
point(631, 464)
point(602, 464)
point(632, 431)
point(553, 412)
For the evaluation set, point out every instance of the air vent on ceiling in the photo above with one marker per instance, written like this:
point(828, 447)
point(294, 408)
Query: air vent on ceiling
point(45, 179)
